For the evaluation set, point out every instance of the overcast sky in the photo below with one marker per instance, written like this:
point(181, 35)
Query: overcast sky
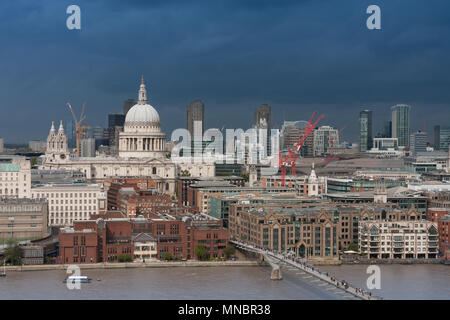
point(234, 55)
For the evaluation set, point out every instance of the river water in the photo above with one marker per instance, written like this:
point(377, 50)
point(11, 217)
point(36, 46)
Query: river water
point(178, 283)
point(412, 282)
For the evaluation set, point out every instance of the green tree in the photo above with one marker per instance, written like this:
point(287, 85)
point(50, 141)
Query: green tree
point(229, 251)
point(185, 173)
point(33, 161)
point(352, 247)
point(13, 253)
point(200, 251)
point(124, 257)
point(167, 256)
point(245, 176)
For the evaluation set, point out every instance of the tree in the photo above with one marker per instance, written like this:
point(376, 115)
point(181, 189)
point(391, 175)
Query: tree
point(167, 256)
point(185, 173)
point(200, 251)
point(33, 161)
point(229, 251)
point(352, 247)
point(13, 253)
point(124, 257)
point(245, 176)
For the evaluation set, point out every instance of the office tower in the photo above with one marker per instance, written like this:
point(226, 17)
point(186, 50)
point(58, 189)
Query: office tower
point(387, 129)
point(441, 137)
point(195, 112)
point(71, 134)
point(1, 145)
point(365, 131)
point(326, 140)
point(116, 120)
point(401, 124)
point(87, 147)
point(127, 104)
point(262, 121)
point(291, 133)
point(418, 142)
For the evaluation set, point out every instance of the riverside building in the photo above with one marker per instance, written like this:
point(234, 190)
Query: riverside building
point(398, 240)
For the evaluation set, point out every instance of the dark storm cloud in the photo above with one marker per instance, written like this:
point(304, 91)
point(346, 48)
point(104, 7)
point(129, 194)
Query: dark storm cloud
point(297, 56)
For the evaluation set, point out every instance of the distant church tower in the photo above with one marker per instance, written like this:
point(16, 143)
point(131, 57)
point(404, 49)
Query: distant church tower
point(313, 183)
point(57, 150)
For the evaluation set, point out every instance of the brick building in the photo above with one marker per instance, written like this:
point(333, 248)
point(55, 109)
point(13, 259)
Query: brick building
point(312, 230)
point(444, 243)
point(96, 241)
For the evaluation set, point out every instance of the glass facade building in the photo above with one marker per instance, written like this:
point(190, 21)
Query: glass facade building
point(365, 131)
point(441, 138)
point(401, 124)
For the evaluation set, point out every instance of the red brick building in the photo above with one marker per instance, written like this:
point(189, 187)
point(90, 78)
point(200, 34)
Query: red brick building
point(444, 244)
point(179, 235)
point(434, 214)
point(96, 241)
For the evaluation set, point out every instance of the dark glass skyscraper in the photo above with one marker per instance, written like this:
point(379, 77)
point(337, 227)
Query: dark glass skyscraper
point(401, 124)
point(195, 112)
point(365, 131)
point(442, 137)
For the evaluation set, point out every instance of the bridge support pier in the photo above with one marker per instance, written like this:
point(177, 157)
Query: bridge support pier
point(276, 274)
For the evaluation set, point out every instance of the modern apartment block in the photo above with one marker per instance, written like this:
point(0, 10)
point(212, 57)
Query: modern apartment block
point(398, 240)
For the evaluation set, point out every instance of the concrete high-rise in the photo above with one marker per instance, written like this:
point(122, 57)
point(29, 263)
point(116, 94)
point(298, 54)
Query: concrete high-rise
point(365, 131)
point(195, 112)
point(262, 121)
point(418, 142)
point(401, 124)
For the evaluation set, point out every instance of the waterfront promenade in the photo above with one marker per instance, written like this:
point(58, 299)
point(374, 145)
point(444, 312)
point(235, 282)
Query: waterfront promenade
point(147, 264)
point(314, 271)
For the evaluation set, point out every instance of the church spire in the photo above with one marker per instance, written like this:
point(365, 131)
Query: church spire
point(61, 128)
point(52, 129)
point(142, 92)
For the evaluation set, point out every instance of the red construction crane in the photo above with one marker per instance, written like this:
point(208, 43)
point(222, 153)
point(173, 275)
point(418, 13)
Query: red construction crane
point(289, 160)
point(332, 140)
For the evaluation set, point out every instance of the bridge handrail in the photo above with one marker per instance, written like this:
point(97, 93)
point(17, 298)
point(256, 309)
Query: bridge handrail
point(343, 285)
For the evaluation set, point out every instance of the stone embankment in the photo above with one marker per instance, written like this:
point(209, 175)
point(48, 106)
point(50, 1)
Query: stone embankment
point(147, 264)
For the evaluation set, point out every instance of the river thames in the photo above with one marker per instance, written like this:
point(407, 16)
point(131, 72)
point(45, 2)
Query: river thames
point(397, 282)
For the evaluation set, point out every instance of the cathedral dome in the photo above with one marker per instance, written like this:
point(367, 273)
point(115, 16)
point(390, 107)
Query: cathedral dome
point(142, 117)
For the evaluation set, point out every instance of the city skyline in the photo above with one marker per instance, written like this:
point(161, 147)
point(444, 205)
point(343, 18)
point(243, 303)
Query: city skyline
point(185, 58)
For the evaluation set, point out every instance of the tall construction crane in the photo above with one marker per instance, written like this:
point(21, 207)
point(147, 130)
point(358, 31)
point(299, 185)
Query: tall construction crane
point(80, 127)
point(289, 160)
point(332, 140)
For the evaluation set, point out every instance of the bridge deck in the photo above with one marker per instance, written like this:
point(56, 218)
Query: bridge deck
point(301, 264)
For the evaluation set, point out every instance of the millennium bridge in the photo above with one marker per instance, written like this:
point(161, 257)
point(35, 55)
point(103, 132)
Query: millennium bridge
point(276, 259)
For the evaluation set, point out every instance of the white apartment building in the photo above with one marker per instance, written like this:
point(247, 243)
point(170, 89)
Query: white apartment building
point(70, 201)
point(402, 239)
point(15, 177)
